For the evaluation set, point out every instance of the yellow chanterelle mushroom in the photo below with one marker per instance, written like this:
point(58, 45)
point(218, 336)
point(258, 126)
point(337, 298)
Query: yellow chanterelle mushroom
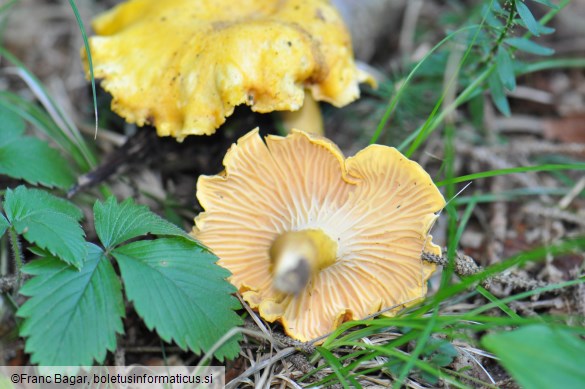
point(313, 239)
point(183, 65)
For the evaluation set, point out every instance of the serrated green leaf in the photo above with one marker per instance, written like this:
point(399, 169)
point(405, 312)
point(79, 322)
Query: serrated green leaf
point(505, 68)
point(47, 221)
point(29, 158)
point(118, 222)
point(531, 24)
point(555, 354)
point(529, 46)
point(4, 224)
point(35, 162)
point(498, 94)
point(73, 316)
point(179, 291)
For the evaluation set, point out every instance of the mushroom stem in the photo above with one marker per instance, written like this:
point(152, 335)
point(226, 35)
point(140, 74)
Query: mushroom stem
point(308, 117)
point(297, 255)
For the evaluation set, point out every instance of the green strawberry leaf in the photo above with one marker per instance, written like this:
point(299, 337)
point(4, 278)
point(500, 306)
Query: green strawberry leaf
point(179, 291)
point(48, 221)
point(30, 159)
point(118, 222)
point(73, 316)
point(540, 356)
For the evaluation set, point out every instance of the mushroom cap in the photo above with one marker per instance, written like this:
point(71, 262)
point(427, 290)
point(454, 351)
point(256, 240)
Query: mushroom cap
point(378, 207)
point(183, 65)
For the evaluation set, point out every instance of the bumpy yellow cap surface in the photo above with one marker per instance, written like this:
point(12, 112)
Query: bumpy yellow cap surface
point(377, 207)
point(183, 65)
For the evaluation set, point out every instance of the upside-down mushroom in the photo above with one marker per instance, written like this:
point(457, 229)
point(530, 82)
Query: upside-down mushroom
point(313, 239)
point(183, 65)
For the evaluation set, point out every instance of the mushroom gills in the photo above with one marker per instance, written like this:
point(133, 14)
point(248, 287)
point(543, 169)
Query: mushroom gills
point(298, 255)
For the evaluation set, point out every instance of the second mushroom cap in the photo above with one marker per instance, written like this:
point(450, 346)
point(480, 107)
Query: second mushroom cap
point(183, 65)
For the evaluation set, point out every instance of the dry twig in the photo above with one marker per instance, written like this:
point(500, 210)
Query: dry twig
point(8, 284)
point(466, 266)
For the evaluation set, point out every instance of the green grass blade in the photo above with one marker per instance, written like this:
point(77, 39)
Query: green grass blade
point(420, 345)
point(496, 301)
point(392, 352)
point(64, 123)
point(432, 123)
point(39, 118)
point(553, 63)
point(337, 368)
point(510, 195)
point(89, 61)
point(394, 101)
point(467, 94)
point(516, 260)
point(521, 169)
point(471, 314)
point(454, 243)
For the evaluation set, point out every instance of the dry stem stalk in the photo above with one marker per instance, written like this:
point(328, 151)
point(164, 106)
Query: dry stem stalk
point(10, 284)
point(466, 266)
